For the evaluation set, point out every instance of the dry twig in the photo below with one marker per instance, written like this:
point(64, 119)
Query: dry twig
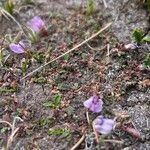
point(114, 141)
point(69, 51)
point(13, 131)
point(7, 15)
point(78, 143)
point(87, 117)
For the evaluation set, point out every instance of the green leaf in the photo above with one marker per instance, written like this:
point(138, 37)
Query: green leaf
point(4, 129)
point(33, 36)
point(64, 86)
point(70, 110)
point(59, 132)
point(47, 104)
point(7, 89)
point(147, 60)
point(24, 66)
point(146, 39)
point(66, 57)
point(1, 57)
point(137, 35)
point(57, 100)
point(90, 7)
point(148, 5)
point(54, 103)
point(38, 56)
point(43, 122)
point(9, 6)
point(39, 80)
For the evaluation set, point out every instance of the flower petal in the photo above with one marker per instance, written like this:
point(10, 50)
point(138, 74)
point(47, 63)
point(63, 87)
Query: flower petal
point(21, 43)
point(88, 102)
point(16, 48)
point(107, 126)
point(36, 24)
point(103, 125)
point(94, 104)
point(96, 108)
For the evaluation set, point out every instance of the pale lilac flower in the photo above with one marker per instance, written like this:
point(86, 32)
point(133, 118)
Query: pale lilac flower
point(36, 24)
point(94, 104)
point(17, 48)
point(103, 125)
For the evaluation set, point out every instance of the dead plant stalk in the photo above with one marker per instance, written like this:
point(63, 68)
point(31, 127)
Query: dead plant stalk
point(69, 51)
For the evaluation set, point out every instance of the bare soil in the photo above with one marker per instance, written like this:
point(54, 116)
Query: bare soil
point(117, 78)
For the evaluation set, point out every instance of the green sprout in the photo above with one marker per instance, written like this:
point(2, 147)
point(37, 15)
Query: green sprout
point(148, 5)
point(9, 6)
point(66, 58)
point(33, 36)
point(4, 130)
point(90, 7)
point(38, 56)
point(7, 89)
point(146, 39)
point(59, 132)
point(137, 35)
point(1, 58)
point(147, 60)
point(54, 103)
point(24, 66)
point(39, 80)
point(43, 122)
point(8, 38)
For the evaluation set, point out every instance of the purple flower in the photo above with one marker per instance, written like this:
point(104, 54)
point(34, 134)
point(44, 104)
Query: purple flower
point(94, 104)
point(103, 125)
point(36, 24)
point(17, 48)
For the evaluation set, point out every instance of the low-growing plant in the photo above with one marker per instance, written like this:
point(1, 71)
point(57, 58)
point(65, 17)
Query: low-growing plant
point(59, 132)
point(66, 57)
point(1, 52)
point(38, 56)
point(43, 122)
point(138, 36)
point(36, 28)
point(148, 5)
point(33, 36)
point(8, 38)
point(147, 60)
point(146, 39)
point(54, 103)
point(7, 89)
point(9, 6)
point(39, 80)
point(4, 130)
point(24, 66)
point(1, 57)
point(90, 7)
point(101, 124)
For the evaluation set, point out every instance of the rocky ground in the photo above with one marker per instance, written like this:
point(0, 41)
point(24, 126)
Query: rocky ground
point(118, 77)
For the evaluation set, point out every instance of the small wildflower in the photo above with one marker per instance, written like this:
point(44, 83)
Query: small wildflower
point(103, 125)
point(94, 104)
point(36, 24)
point(17, 48)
